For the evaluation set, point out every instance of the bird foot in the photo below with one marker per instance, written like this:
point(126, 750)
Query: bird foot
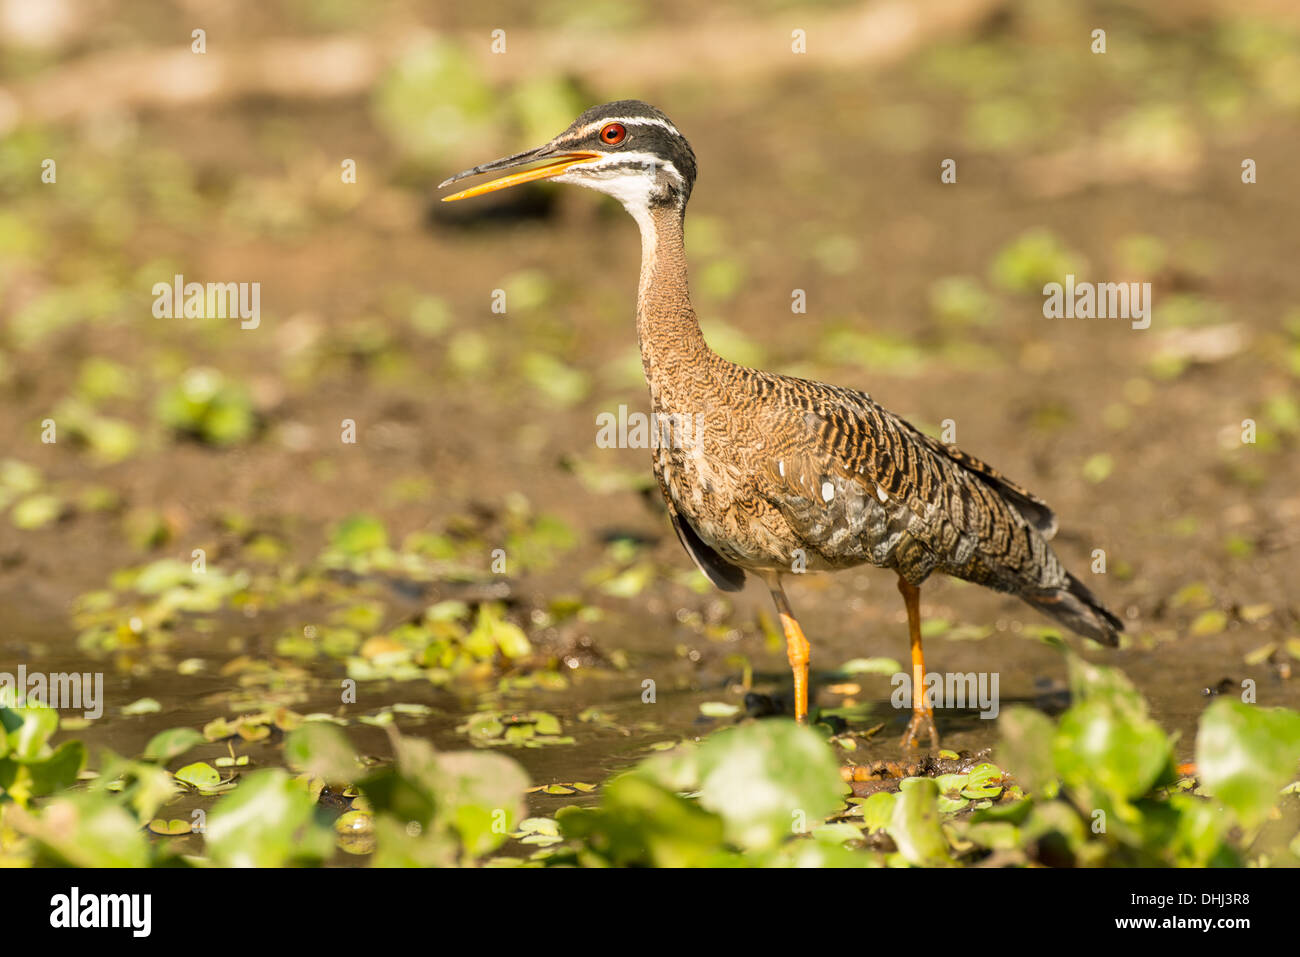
point(922, 723)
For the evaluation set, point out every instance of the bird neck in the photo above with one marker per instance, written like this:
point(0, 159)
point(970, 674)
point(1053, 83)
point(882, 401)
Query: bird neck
point(669, 332)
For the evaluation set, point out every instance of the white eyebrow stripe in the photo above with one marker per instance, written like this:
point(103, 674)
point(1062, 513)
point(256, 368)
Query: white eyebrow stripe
point(625, 120)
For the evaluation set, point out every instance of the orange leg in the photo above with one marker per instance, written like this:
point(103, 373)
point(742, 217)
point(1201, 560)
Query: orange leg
point(922, 715)
point(797, 649)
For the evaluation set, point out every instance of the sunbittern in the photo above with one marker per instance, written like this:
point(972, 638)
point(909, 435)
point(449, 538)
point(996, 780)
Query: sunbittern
point(786, 474)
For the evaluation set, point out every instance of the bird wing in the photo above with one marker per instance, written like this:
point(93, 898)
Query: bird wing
point(857, 483)
point(1029, 505)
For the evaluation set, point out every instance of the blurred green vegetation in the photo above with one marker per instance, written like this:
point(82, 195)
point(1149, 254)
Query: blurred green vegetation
point(1097, 787)
point(177, 435)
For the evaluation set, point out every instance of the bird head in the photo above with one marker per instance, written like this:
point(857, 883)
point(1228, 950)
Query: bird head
point(627, 149)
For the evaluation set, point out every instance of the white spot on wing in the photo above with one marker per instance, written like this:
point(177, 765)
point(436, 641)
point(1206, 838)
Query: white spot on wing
point(828, 491)
point(880, 494)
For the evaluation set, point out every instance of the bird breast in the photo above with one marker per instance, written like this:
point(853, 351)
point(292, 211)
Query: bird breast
point(715, 482)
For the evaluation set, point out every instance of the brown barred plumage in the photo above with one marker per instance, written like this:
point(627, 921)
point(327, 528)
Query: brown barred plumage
point(785, 474)
point(798, 473)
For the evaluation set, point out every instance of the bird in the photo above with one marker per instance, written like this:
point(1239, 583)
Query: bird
point(783, 475)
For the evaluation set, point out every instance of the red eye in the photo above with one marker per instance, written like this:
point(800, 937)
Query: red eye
point(613, 134)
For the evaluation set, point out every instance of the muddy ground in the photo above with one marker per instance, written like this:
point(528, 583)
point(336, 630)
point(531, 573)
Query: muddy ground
point(377, 307)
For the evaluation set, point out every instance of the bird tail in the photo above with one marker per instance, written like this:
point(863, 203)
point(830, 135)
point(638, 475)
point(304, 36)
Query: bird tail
point(1079, 610)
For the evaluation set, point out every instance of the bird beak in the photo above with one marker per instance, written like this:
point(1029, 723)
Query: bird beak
point(556, 164)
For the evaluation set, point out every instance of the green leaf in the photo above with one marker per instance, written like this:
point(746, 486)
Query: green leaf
point(985, 781)
point(768, 780)
point(871, 666)
point(1209, 622)
point(878, 811)
point(396, 847)
point(268, 821)
point(85, 830)
point(837, 833)
point(1245, 754)
point(141, 786)
point(59, 771)
point(398, 797)
point(640, 822)
point(172, 828)
point(19, 477)
point(358, 535)
point(200, 775)
point(322, 751)
point(36, 511)
point(1106, 739)
point(556, 380)
point(995, 835)
point(1118, 751)
point(29, 740)
point(1031, 260)
point(482, 797)
point(492, 633)
point(1026, 747)
point(916, 826)
point(209, 407)
point(811, 854)
point(1199, 831)
point(544, 722)
point(173, 742)
point(719, 709)
point(1097, 468)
